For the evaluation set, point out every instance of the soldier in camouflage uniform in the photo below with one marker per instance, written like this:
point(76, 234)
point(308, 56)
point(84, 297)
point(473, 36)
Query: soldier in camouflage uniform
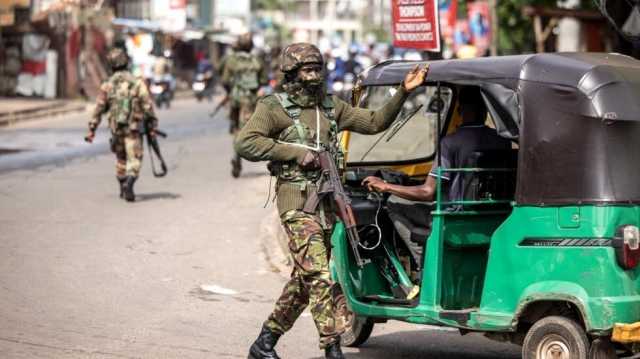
point(242, 76)
point(126, 101)
point(288, 129)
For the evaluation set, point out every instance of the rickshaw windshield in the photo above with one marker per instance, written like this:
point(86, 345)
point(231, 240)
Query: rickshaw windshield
point(411, 137)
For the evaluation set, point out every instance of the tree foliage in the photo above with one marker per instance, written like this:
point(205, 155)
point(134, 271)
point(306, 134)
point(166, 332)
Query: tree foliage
point(516, 33)
point(271, 5)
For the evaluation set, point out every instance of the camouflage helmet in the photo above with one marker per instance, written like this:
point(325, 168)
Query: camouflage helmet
point(296, 55)
point(117, 58)
point(245, 42)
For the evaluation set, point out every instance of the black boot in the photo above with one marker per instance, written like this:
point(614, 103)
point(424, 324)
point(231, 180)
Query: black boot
point(263, 347)
point(121, 180)
point(129, 196)
point(333, 351)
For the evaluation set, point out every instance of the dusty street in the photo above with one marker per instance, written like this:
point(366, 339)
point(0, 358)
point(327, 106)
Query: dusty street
point(181, 273)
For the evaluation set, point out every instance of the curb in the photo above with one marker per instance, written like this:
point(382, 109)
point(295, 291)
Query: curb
point(275, 246)
point(10, 118)
point(60, 108)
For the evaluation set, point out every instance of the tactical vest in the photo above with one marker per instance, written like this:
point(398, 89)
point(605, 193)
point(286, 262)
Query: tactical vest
point(120, 97)
point(299, 133)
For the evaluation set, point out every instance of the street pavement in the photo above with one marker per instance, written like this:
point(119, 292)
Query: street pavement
point(181, 273)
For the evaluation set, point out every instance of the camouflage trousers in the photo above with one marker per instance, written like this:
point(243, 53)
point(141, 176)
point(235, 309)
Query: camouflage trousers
point(128, 151)
point(310, 283)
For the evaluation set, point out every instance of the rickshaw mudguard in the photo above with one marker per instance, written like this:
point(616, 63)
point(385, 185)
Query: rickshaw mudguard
point(556, 291)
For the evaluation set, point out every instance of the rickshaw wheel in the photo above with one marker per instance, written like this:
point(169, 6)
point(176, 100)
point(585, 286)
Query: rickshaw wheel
point(355, 329)
point(555, 337)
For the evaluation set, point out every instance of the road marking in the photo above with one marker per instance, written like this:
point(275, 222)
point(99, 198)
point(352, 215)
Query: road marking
point(216, 289)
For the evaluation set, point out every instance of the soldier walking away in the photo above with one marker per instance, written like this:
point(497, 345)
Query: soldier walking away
point(288, 129)
point(242, 76)
point(126, 101)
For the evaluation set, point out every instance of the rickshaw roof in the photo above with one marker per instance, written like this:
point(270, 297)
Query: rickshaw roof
point(567, 69)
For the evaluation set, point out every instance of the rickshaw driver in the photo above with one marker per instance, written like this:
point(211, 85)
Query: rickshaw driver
point(473, 135)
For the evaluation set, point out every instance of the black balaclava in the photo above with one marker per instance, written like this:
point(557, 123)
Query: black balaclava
point(306, 92)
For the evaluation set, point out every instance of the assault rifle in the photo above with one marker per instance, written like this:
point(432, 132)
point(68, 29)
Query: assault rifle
point(220, 105)
point(154, 147)
point(330, 184)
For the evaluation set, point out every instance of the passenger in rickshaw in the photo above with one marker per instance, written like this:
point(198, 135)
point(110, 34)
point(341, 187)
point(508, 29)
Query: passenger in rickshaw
point(458, 150)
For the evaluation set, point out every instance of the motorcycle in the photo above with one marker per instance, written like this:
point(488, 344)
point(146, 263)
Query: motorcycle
point(161, 92)
point(203, 86)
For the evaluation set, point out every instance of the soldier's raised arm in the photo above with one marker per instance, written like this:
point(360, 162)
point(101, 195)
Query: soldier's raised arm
point(369, 121)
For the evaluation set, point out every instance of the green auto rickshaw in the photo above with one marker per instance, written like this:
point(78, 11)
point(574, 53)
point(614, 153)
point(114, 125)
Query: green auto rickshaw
point(544, 249)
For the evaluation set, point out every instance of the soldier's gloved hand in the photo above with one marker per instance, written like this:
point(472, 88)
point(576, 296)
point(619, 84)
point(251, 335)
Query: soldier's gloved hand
point(415, 78)
point(310, 161)
point(90, 136)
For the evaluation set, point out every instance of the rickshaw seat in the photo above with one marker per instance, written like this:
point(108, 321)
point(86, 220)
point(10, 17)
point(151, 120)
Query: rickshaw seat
point(491, 185)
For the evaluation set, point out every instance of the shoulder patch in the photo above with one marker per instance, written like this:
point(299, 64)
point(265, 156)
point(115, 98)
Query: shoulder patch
point(270, 100)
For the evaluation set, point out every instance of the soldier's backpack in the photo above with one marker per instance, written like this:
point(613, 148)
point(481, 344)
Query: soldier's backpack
point(245, 76)
point(120, 97)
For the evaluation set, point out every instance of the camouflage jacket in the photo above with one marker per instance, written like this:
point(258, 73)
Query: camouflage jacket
point(141, 107)
point(265, 136)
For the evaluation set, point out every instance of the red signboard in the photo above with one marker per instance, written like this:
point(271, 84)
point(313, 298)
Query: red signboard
point(415, 24)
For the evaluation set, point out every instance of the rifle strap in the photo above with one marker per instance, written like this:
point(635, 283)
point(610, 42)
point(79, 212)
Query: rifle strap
point(323, 216)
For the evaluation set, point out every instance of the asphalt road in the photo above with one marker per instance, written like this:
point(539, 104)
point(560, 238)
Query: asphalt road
point(181, 273)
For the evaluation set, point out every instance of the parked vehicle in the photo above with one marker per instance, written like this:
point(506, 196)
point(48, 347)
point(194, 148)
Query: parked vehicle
point(544, 249)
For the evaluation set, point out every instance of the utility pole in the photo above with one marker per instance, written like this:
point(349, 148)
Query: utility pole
point(495, 27)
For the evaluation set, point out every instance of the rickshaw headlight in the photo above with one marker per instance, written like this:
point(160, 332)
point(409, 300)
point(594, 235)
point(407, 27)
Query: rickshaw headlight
point(627, 246)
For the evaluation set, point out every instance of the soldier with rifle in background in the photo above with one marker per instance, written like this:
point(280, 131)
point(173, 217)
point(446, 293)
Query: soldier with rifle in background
point(290, 129)
point(242, 76)
point(126, 101)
